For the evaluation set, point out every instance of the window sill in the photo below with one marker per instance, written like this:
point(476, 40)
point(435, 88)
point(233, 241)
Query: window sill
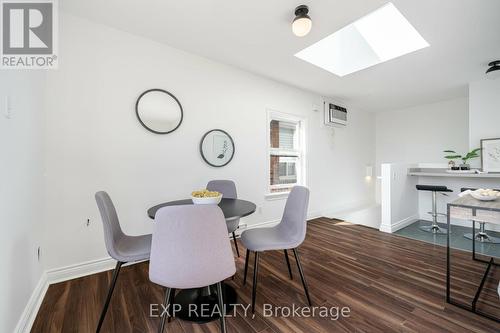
point(276, 196)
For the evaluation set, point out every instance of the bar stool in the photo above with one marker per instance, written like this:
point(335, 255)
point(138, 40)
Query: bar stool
point(481, 236)
point(434, 227)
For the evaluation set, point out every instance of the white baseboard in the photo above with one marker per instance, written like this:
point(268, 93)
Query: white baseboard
point(404, 223)
point(399, 224)
point(31, 310)
point(54, 276)
point(78, 270)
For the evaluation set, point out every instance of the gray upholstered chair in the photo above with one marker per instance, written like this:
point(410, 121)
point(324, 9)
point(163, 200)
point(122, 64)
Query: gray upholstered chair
point(228, 190)
point(121, 247)
point(288, 234)
point(190, 249)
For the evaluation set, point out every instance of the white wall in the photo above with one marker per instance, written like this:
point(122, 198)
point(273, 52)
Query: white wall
point(484, 111)
point(94, 141)
point(21, 193)
point(420, 134)
point(399, 201)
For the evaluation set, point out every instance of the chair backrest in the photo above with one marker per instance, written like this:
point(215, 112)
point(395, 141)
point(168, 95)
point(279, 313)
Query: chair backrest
point(226, 187)
point(190, 247)
point(228, 190)
point(111, 225)
point(294, 221)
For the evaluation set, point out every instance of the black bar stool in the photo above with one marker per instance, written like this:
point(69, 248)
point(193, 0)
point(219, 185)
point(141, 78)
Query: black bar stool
point(434, 227)
point(481, 236)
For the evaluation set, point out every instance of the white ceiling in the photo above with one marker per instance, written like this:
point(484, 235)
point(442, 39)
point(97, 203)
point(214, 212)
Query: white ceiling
point(256, 36)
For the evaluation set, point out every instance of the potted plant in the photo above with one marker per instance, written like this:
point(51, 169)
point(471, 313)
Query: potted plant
point(452, 155)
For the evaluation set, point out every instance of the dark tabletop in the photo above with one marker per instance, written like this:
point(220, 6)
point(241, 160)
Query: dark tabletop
point(232, 208)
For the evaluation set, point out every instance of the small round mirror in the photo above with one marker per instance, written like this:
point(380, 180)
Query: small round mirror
point(159, 111)
point(217, 148)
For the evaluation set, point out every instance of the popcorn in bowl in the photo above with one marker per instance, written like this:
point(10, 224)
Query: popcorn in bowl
point(205, 194)
point(206, 197)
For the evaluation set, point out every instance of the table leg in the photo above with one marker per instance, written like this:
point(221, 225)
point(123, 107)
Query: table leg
point(490, 263)
point(474, 239)
point(478, 292)
point(448, 255)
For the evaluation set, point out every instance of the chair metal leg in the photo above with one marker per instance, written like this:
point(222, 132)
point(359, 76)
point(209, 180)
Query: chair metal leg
point(221, 308)
point(161, 328)
point(172, 302)
point(434, 227)
point(482, 236)
point(288, 264)
point(302, 277)
point(246, 267)
point(255, 273)
point(110, 293)
point(236, 245)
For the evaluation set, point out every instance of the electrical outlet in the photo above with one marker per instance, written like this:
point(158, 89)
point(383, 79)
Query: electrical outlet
point(87, 224)
point(7, 107)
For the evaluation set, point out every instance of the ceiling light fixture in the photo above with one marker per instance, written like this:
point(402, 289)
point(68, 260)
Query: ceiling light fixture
point(302, 23)
point(494, 71)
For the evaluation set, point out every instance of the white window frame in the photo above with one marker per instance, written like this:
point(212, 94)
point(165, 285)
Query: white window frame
point(300, 153)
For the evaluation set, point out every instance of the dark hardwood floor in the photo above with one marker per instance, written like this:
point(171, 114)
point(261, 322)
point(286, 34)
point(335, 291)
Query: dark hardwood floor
point(390, 284)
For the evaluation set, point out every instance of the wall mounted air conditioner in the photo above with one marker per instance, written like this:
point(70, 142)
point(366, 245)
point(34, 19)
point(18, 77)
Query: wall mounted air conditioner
point(334, 114)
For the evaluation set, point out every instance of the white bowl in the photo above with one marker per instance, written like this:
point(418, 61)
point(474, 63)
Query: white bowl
point(478, 196)
point(207, 200)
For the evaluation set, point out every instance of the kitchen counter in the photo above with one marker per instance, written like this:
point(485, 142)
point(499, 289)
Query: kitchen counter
point(438, 172)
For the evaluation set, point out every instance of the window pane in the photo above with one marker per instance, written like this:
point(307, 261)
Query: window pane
point(283, 170)
point(283, 134)
point(287, 136)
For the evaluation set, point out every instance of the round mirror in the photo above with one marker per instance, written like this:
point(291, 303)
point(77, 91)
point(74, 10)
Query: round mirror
point(217, 148)
point(159, 111)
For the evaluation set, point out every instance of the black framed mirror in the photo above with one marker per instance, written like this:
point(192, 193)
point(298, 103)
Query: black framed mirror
point(217, 148)
point(159, 111)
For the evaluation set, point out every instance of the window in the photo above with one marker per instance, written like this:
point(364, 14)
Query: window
point(286, 152)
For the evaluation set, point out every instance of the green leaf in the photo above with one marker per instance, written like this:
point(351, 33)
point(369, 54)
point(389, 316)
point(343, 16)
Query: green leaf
point(476, 150)
point(449, 151)
point(453, 157)
point(471, 154)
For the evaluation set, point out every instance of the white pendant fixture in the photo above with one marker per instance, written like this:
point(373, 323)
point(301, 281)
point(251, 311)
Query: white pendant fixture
point(302, 23)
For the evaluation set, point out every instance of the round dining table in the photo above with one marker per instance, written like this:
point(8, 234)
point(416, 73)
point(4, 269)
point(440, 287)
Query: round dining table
point(205, 299)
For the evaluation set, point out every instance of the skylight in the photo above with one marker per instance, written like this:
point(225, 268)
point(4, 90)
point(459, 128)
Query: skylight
point(382, 35)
